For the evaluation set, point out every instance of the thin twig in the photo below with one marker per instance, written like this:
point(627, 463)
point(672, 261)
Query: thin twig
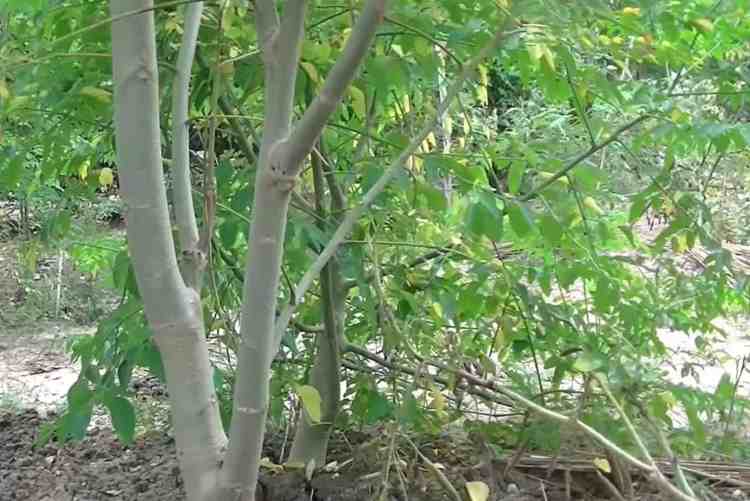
point(610, 486)
point(439, 474)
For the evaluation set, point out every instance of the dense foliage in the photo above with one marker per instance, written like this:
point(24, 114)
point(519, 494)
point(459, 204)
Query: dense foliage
point(515, 247)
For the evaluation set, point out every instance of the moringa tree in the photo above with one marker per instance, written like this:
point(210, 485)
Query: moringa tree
point(217, 465)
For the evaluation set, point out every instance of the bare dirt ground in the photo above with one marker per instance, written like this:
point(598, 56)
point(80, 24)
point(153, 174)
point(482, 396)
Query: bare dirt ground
point(101, 468)
point(35, 371)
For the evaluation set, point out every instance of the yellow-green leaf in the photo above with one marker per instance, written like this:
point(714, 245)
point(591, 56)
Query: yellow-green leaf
point(359, 103)
point(83, 170)
point(515, 176)
point(500, 340)
point(310, 469)
point(267, 463)
point(106, 177)
point(478, 491)
point(438, 401)
point(679, 244)
point(703, 25)
point(100, 95)
point(311, 402)
point(548, 59)
point(4, 92)
point(544, 176)
point(311, 71)
point(226, 68)
point(591, 204)
point(535, 51)
point(631, 11)
point(603, 465)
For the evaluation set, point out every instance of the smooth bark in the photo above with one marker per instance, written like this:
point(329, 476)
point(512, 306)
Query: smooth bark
point(280, 161)
point(171, 298)
point(173, 309)
point(187, 227)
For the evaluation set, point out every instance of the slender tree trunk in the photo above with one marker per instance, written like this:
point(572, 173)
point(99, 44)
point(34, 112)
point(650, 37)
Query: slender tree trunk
point(193, 261)
point(445, 128)
point(282, 153)
point(173, 310)
point(311, 439)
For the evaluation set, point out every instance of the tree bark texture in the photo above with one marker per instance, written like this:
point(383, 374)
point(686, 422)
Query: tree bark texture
point(173, 309)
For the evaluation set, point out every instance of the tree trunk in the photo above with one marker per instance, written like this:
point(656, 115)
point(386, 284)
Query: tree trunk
point(173, 310)
point(311, 439)
point(171, 298)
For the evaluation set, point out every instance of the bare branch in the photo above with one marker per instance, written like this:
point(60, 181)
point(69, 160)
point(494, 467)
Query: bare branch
point(343, 72)
point(483, 390)
point(183, 198)
point(281, 52)
point(266, 22)
point(583, 156)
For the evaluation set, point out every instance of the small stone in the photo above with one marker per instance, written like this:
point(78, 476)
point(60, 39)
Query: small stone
point(513, 488)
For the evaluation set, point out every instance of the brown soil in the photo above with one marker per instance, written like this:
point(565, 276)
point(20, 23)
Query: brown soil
point(101, 468)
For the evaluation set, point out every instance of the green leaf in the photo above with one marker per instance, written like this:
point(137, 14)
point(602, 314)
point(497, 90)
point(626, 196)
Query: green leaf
point(46, 431)
point(151, 358)
point(520, 220)
point(75, 423)
point(25, 5)
point(387, 72)
point(515, 176)
point(435, 198)
point(551, 229)
point(311, 402)
point(638, 207)
point(696, 425)
point(378, 407)
point(12, 174)
point(466, 172)
point(409, 411)
point(79, 395)
point(588, 362)
point(724, 390)
point(660, 405)
point(123, 417)
point(125, 372)
point(484, 218)
point(605, 295)
point(123, 274)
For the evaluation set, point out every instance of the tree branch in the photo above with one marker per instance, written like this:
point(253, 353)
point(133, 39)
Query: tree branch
point(583, 156)
point(281, 55)
point(301, 143)
point(474, 389)
point(266, 22)
point(390, 172)
point(230, 113)
point(187, 228)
